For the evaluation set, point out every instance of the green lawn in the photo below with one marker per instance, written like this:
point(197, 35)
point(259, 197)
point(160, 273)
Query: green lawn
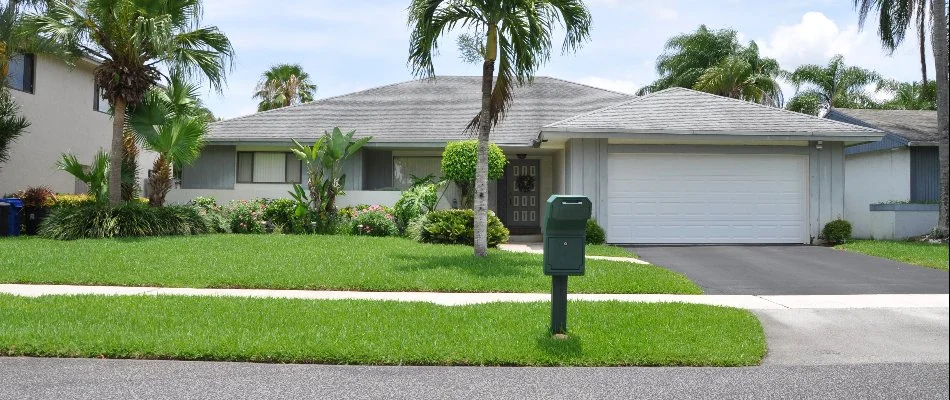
point(608, 250)
point(919, 253)
point(309, 262)
point(371, 332)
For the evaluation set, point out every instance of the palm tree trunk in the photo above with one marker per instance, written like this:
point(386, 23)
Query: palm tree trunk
point(922, 38)
point(115, 154)
point(484, 129)
point(939, 42)
point(160, 182)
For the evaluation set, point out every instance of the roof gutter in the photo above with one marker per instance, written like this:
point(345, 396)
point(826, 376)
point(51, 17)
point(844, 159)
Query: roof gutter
point(567, 133)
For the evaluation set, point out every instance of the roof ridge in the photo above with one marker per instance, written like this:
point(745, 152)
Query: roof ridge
point(766, 107)
point(586, 85)
point(623, 103)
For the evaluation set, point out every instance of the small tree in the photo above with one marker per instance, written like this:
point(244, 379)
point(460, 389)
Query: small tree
point(458, 165)
point(95, 176)
point(324, 161)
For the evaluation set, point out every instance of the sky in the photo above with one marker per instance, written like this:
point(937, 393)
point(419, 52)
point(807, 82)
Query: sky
point(352, 45)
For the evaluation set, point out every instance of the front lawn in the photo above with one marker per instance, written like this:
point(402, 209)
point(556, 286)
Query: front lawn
point(608, 250)
point(919, 253)
point(308, 262)
point(379, 333)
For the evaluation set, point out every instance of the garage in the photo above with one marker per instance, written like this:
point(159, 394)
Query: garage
point(707, 198)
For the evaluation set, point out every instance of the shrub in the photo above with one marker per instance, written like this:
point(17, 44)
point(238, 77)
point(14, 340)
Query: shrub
point(374, 223)
point(38, 196)
point(458, 165)
point(281, 213)
point(595, 234)
point(213, 214)
point(415, 202)
point(126, 220)
point(837, 231)
point(458, 227)
point(204, 202)
point(246, 216)
point(66, 200)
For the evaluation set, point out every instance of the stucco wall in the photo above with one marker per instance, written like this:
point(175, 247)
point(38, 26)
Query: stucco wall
point(62, 119)
point(874, 177)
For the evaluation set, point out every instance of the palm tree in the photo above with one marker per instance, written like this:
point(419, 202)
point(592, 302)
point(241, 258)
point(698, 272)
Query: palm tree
point(171, 122)
point(686, 57)
point(909, 95)
point(284, 85)
point(135, 38)
point(11, 124)
point(894, 18)
point(833, 85)
point(516, 34)
point(744, 76)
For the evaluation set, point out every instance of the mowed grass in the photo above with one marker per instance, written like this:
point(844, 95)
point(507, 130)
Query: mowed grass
point(918, 253)
point(309, 262)
point(378, 333)
point(608, 250)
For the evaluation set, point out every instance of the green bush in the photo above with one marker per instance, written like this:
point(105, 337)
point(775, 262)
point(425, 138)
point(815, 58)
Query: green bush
point(204, 202)
point(281, 214)
point(458, 227)
point(458, 165)
point(374, 223)
point(246, 216)
point(126, 220)
point(595, 234)
point(837, 231)
point(415, 202)
point(213, 214)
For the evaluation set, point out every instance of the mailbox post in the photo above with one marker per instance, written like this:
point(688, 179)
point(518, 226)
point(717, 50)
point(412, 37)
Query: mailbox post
point(565, 225)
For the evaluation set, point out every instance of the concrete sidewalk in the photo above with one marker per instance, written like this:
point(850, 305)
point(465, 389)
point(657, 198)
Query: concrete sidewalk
point(749, 302)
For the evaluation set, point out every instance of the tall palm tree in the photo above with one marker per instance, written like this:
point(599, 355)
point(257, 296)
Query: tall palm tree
point(744, 76)
point(894, 18)
point(135, 38)
point(832, 85)
point(909, 95)
point(686, 57)
point(284, 85)
point(516, 34)
point(171, 122)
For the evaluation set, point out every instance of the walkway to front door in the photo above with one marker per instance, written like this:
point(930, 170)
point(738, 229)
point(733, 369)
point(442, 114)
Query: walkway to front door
point(520, 187)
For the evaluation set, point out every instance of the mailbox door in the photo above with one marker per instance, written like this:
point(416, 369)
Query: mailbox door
point(564, 255)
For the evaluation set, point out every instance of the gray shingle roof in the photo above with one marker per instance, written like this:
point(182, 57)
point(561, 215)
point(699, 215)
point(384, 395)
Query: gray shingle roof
point(912, 125)
point(431, 111)
point(686, 111)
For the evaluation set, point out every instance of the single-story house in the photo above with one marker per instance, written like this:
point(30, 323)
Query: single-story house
point(675, 166)
point(892, 186)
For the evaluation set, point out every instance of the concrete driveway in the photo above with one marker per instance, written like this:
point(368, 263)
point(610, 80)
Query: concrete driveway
point(793, 270)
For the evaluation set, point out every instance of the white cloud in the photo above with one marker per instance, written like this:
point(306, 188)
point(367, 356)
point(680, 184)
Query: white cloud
point(619, 85)
point(815, 39)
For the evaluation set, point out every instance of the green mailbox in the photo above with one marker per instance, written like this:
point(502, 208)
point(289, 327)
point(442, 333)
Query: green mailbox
point(565, 231)
point(565, 224)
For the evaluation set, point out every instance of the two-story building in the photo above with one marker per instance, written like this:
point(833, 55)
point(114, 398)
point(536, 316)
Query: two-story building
point(66, 114)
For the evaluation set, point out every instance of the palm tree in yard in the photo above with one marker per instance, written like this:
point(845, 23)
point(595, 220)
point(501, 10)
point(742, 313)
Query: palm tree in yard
point(895, 18)
point(832, 85)
point(171, 122)
point(686, 57)
point(135, 38)
point(284, 85)
point(514, 33)
point(744, 76)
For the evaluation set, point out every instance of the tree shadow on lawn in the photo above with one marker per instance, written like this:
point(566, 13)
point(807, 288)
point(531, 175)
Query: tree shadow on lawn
point(495, 265)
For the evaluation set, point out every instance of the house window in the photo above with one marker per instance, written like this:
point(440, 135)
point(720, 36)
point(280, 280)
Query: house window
point(99, 102)
point(406, 169)
point(267, 167)
point(21, 75)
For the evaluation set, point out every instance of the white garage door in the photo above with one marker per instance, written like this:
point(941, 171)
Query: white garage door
point(697, 198)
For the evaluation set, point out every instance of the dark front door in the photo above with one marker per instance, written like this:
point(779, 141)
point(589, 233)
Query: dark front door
point(522, 181)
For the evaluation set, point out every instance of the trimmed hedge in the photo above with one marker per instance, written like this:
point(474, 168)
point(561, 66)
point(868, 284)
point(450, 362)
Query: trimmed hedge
point(837, 231)
point(595, 234)
point(456, 227)
point(127, 220)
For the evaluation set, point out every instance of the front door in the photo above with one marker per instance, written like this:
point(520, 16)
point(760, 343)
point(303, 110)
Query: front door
point(523, 188)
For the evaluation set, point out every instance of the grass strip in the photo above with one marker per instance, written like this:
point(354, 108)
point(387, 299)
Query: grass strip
point(309, 262)
point(376, 333)
point(608, 251)
point(929, 255)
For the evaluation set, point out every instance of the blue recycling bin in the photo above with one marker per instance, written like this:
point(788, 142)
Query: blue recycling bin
point(13, 219)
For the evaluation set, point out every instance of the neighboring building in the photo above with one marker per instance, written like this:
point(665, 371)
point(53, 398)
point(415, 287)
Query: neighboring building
point(892, 186)
point(66, 114)
point(675, 166)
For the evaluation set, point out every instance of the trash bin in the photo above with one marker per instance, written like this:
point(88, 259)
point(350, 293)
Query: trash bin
point(5, 218)
point(10, 226)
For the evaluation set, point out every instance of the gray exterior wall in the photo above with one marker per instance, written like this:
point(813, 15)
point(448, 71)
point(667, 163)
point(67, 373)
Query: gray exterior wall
point(924, 174)
point(585, 172)
point(216, 168)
